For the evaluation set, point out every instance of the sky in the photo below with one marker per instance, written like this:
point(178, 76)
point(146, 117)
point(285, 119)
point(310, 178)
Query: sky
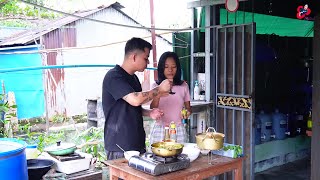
point(167, 13)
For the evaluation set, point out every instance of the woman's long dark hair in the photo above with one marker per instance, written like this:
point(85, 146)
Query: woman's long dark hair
point(161, 66)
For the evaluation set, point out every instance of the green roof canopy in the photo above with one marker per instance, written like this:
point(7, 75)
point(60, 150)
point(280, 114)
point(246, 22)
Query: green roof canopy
point(267, 24)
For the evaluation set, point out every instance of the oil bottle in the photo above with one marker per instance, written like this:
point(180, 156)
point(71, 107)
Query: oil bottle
point(173, 132)
point(166, 134)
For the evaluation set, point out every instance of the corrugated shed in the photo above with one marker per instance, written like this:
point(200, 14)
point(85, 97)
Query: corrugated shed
point(6, 32)
point(27, 37)
point(59, 38)
point(67, 89)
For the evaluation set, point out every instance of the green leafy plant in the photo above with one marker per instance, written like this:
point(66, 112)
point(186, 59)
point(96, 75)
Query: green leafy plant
point(5, 124)
point(237, 150)
point(80, 118)
point(59, 118)
point(96, 149)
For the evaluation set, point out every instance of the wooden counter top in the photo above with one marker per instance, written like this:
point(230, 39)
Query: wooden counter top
point(199, 169)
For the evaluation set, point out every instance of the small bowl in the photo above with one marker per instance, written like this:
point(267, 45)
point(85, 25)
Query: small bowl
point(204, 151)
point(129, 154)
point(193, 152)
point(192, 145)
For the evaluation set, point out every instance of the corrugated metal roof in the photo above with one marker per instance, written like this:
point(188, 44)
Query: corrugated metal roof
point(29, 36)
point(6, 32)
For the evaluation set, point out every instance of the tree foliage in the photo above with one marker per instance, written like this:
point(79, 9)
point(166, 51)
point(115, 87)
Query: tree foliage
point(17, 13)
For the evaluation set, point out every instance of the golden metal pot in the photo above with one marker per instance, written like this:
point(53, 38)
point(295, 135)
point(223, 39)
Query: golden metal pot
point(210, 140)
point(166, 149)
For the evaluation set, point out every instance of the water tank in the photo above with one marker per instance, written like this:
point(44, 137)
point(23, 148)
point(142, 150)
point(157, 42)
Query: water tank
point(279, 125)
point(13, 162)
point(257, 130)
point(266, 126)
point(291, 124)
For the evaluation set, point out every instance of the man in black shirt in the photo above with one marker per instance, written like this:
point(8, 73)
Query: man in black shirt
point(122, 98)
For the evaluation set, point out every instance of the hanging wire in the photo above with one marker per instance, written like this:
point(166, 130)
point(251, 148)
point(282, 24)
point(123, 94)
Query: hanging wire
point(184, 44)
point(116, 24)
point(184, 56)
point(56, 50)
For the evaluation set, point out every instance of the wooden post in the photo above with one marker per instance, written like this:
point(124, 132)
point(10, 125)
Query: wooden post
point(315, 145)
point(153, 38)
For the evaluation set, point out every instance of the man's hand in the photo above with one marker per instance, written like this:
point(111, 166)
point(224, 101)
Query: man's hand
point(165, 86)
point(156, 114)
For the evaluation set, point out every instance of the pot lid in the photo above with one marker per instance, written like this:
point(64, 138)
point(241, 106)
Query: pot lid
point(60, 146)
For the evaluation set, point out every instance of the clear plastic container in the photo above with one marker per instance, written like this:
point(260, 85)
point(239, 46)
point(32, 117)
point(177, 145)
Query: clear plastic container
point(32, 152)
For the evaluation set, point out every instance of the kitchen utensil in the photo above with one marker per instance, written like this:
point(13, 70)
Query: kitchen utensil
point(148, 164)
point(60, 148)
point(124, 152)
point(166, 149)
point(121, 148)
point(210, 140)
point(38, 167)
point(69, 166)
point(170, 92)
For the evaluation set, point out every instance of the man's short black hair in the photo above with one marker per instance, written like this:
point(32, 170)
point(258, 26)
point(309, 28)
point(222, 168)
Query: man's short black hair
point(136, 44)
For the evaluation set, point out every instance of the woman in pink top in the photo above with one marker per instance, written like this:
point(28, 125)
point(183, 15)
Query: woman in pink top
point(169, 68)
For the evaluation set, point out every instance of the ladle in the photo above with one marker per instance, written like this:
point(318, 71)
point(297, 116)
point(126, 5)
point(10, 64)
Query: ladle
point(171, 92)
point(122, 149)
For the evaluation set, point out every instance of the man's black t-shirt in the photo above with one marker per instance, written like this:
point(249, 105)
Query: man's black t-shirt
point(124, 122)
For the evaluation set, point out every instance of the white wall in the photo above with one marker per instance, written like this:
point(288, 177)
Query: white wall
point(86, 83)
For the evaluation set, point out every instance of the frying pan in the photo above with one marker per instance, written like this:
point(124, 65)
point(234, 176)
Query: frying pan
point(62, 148)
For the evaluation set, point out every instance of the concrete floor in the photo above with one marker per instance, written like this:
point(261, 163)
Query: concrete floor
point(297, 170)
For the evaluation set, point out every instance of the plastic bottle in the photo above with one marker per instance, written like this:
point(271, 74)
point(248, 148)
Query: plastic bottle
point(173, 132)
point(186, 126)
point(309, 121)
point(166, 134)
point(32, 152)
point(201, 122)
point(196, 91)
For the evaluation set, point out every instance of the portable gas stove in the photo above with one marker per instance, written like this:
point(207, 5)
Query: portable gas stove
point(70, 163)
point(156, 165)
point(69, 157)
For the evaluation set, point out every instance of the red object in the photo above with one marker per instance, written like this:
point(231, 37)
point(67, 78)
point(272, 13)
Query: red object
point(309, 133)
point(302, 15)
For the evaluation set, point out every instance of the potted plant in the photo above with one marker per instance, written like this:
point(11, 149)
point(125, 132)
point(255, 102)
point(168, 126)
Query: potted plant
point(5, 123)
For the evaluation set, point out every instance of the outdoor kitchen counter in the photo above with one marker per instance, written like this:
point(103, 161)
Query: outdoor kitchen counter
point(199, 169)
